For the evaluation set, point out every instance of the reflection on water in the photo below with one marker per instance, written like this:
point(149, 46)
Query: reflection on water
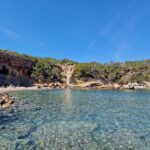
point(72, 119)
point(67, 100)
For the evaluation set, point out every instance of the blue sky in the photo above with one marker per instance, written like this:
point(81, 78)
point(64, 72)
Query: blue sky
point(82, 30)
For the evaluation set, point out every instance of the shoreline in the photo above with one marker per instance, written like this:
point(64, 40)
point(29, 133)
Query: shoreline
point(14, 89)
point(5, 90)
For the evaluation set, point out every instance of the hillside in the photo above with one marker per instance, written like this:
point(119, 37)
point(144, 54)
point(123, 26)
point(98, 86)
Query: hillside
point(23, 70)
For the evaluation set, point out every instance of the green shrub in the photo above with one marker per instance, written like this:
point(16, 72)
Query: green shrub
point(45, 71)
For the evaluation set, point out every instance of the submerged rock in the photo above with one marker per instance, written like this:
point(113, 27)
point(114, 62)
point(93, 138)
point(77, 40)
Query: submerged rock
point(124, 139)
point(25, 145)
point(27, 134)
point(65, 135)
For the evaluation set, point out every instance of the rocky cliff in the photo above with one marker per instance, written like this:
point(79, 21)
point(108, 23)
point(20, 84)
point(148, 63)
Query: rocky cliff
point(15, 70)
point(67, 71)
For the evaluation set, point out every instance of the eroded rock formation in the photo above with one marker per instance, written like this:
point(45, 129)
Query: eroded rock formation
point(67, 71)
point(14, 70)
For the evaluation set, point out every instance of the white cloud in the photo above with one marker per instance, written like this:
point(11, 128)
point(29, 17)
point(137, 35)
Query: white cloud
point(9, 33)
point(13, 35)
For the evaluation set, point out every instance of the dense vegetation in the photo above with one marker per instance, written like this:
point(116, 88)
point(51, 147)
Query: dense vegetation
point(46, 70)
point(13, 53)
point(121, 73)
point(49, 70)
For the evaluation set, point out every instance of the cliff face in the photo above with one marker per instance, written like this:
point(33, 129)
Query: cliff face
point(67, 71)
point(15, 70)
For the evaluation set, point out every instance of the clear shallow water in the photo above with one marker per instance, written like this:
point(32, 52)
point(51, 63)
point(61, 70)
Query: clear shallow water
point(74, 119)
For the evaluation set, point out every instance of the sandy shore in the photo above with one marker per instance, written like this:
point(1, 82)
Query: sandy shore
point(10, 89)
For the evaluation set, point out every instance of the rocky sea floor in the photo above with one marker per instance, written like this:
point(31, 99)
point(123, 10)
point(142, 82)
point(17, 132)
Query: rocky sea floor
point(72, 119)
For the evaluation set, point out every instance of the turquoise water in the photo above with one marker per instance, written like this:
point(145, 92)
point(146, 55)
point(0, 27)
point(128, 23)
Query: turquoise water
point(73, 119)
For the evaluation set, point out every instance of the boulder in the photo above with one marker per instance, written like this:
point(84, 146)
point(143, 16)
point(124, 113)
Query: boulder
point(6, 101)
point(139, 87)
point(147, 84)
point(90, 84)
point(116, 86)
point(129, 86)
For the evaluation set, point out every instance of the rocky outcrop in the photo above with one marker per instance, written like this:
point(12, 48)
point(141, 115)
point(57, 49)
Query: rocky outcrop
point(6, 101)
point(146, 84)
point(51, 85)
point(98, 84)
point(131, 86)
point(116, 86)
point(66, 74)
point(15, 70)
point(67, 71)
point(89, 84)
